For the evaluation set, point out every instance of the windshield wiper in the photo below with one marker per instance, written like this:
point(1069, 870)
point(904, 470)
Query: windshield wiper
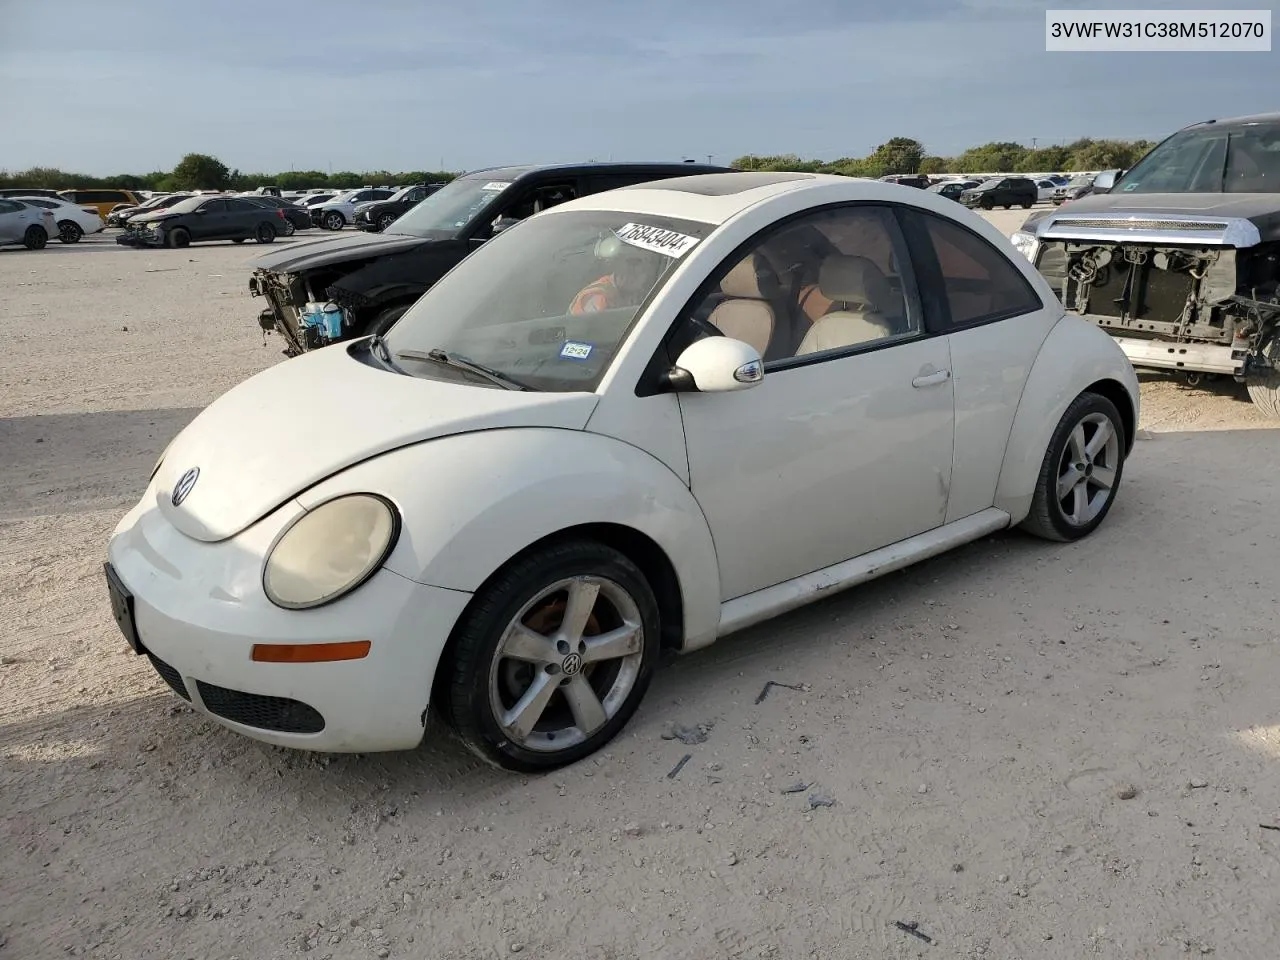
point(463, 363)
point(379, 348)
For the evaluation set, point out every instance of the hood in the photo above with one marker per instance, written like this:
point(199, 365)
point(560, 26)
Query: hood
point(305, 419)
point(1261, 209)
point(310, 254)
point(151, 216)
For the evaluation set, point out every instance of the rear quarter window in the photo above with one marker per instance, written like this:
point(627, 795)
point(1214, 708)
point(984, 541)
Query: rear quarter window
point(979, 283)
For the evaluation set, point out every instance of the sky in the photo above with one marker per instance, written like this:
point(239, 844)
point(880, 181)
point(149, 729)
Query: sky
point(114, 86)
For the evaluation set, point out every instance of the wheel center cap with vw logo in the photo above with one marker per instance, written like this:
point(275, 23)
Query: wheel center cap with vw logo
point(572, 664)
point(183, 487)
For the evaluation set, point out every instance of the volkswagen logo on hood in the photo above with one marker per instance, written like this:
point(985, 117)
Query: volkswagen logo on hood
point(184, 485)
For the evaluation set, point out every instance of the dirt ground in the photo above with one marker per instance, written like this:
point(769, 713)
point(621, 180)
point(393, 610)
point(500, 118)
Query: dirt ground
point(1030, 750)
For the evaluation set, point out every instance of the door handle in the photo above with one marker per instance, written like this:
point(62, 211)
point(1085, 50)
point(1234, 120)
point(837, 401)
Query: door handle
point(932, 379)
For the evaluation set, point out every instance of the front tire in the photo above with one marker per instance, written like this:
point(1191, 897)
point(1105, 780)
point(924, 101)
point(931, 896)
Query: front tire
point(333, 220)
point(552, 657)
point(36, 238)
point(1081, 471)
point(986, 204)
point(69, 232)
point(1264, 390)
point(179, 237)
point(384, 320)
point(386, 220)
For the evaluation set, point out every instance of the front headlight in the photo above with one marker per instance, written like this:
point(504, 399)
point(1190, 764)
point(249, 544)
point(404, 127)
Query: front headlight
point(1026, 244)
point(330, 551)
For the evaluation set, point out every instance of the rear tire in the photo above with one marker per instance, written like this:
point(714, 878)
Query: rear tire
point(265, 233)
point(1264, 390)
point(179, 237)
point(238, 240)
point(69, 232)
point(289, 228)
point(1027, 205)
point(513, 643)
point(1083, 466)
point(36, 238)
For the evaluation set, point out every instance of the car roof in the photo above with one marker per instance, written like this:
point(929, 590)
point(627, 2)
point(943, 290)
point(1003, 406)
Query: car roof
point(515, 171)
point(1256, 118)
point(718, 198)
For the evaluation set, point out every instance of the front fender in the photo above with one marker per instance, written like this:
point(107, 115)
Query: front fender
point(1075, 355)
point(470, 502)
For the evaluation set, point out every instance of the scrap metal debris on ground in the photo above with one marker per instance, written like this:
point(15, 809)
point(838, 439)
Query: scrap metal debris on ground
point(688, 735)
point(798, 787)
point(679, 766)
point(770, 684)
point(913, 929)
point(817, 800)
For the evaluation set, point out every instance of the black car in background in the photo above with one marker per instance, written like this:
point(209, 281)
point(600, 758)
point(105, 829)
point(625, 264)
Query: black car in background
point(1002, 192)
point(203, 218)
point(377, 215)
point(374, 279)
point(118, 217)
point(951, 189)
point(296, 218)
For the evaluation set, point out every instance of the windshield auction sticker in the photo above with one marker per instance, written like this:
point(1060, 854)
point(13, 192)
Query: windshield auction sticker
point(669, 243)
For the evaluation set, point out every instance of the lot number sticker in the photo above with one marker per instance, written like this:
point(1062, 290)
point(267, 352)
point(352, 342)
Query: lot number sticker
point(667, 242)
point(573, 350)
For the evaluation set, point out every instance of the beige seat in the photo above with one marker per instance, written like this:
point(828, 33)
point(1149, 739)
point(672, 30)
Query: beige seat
point(859, 292)
point(745, 315)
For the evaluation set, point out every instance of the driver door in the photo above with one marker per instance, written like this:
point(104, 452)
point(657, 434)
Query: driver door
point(209, 221)
point(846, 444)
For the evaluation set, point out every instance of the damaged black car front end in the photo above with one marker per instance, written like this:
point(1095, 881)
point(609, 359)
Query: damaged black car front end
point(1179, 258)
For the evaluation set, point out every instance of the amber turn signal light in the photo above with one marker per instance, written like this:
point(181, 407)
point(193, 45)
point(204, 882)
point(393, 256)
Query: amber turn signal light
point(310, 652)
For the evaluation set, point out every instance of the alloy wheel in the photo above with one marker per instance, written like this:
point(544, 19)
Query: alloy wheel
point(1087, 470)
point(566, 663)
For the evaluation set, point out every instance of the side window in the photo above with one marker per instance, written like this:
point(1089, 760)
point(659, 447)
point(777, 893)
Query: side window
point(613, 181)
point(9, 206)
point(214, 206)
point(242, 206)
point(822, 283)
point(979, 282)
point(536, 199)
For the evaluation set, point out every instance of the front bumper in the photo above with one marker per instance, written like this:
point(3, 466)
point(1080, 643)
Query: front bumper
point(199, 608)
point(133, 237)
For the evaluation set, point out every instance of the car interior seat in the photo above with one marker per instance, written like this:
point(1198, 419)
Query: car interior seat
point(859, 293)
point(745, 313)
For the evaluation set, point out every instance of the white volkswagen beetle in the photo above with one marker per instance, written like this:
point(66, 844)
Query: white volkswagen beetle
point(642, 419)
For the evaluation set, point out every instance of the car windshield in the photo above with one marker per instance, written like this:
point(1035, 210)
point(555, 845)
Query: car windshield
point(446, 212)
point(187, 205)
point(1210, 159)
point(990, 184)
point(545, 304)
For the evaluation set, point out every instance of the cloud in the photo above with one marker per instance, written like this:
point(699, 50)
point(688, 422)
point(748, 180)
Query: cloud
point(269, 86)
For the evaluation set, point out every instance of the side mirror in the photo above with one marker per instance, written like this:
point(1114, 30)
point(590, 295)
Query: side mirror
point(716, 365)
point(1104, 181)
point(503, 223)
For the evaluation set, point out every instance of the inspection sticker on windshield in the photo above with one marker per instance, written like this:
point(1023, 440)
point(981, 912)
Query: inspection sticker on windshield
point(656, 239)
point(574, 350)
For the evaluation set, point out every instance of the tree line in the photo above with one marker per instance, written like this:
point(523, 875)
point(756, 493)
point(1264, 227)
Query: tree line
point(199, 171)
point(907, 155)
